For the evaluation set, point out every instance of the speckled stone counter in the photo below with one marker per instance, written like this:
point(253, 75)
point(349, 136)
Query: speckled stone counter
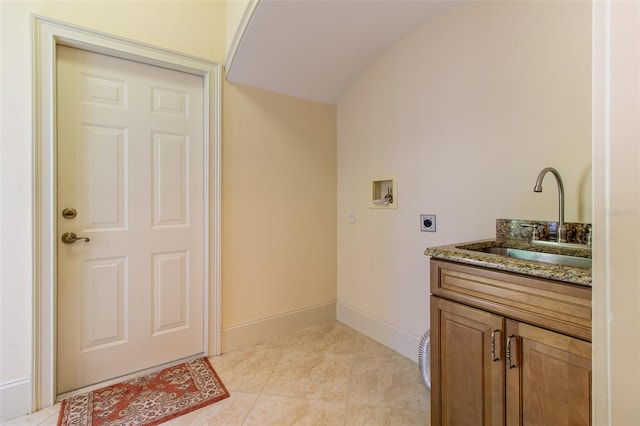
point(549, 271)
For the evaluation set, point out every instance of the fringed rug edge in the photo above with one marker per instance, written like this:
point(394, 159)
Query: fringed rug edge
point(226, 394)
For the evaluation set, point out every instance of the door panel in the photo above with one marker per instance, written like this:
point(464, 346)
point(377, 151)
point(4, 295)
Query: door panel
point(104, 164)
point(550, 382)
point(104, 304)
point(170, 179)
point(467, 353)
point(130, 161)
point(170, 287)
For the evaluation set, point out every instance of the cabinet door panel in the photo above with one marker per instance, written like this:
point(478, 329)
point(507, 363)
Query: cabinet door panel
point(554, 375)
point(469, 386)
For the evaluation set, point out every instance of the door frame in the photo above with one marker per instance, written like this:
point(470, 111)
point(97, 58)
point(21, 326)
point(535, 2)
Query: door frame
point(48, 34)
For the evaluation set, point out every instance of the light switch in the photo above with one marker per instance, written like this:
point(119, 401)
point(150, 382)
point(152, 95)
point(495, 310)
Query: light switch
point(351, 216)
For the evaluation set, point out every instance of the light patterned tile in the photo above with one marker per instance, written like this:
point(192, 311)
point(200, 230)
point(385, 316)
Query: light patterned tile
point(329, 338)
point(283, 411)
point(308, 379)
point(384, 378)
point(366, 415)
point(248, 369)
point(228, 412)
point(311, 375)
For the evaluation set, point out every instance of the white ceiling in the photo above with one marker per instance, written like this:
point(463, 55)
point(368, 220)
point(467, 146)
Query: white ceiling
point(315, 49)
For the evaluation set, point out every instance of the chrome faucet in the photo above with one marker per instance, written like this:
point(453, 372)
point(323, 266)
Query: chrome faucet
point(561, 233)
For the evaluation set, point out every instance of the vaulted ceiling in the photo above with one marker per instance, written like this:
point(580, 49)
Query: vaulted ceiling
point(316, 49)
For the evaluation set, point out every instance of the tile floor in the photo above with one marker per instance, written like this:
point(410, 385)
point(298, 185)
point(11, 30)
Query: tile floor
point(323, 375)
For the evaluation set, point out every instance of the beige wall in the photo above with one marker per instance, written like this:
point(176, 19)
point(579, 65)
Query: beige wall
point(235, 12)
point(278, 206)
point(465, 111)
point(278, 209)
point(193, 27)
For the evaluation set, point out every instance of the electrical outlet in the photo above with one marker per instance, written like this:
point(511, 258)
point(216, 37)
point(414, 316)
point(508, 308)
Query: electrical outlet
point(428, 222)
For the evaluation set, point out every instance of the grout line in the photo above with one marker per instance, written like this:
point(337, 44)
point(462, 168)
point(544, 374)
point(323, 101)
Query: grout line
point(244, 420)
point(260, 393)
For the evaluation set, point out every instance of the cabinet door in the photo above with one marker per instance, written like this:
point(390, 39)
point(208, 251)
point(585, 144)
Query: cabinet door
point(548, 377)
point(467, 384)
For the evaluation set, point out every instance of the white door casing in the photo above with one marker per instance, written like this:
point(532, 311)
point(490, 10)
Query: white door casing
point(130, 164)
point(48, 36)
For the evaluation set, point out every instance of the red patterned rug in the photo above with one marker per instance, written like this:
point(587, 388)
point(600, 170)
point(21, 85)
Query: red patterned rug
point(147, 400)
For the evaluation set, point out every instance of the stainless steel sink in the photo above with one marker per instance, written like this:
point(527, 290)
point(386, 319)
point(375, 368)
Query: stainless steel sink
point(557, 259)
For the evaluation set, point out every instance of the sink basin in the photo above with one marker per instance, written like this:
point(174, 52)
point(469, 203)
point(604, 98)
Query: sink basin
point(556, 259)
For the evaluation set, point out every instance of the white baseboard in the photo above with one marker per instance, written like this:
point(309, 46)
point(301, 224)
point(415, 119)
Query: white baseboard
point(265, 329)
point(400, 341)
point(15, 399)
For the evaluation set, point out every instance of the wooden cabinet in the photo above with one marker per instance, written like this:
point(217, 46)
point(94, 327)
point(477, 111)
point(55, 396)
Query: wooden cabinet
point(494, 357)
point(467, 372)
point(548, 377)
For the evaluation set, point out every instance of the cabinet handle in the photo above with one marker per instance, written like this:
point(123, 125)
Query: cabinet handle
point(494, 358)
point(509, 354)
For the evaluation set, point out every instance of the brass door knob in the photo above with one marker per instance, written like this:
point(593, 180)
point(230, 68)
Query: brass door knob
point(71, 237)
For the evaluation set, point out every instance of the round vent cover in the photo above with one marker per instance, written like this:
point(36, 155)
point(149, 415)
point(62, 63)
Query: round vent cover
point(424, 358)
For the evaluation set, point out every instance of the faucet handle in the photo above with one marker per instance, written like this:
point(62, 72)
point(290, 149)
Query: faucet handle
point(536, 233)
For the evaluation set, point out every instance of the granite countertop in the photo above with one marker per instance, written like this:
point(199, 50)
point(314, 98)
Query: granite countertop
point(549, 271)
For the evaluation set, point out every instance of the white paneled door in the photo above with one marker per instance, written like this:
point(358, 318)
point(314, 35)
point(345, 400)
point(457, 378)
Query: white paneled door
point(130, 187)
